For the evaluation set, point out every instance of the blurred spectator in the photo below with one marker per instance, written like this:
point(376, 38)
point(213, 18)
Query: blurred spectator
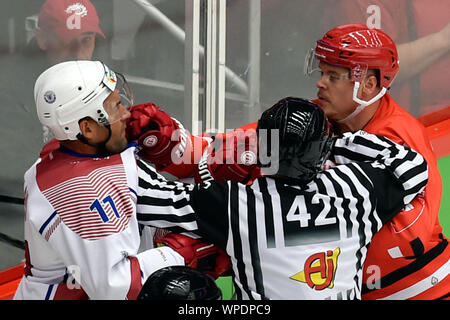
point(66, 30)
point(421, 29)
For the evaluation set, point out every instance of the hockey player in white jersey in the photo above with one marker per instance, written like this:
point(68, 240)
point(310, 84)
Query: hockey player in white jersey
point(81, 231)
point(300, 233)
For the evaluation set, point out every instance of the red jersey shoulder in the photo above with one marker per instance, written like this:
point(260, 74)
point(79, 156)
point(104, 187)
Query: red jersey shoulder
point(393, 122)
point(57, 166)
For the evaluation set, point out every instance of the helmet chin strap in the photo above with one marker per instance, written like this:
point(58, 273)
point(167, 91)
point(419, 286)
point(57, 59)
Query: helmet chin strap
point(361, 103)
point(101, 146)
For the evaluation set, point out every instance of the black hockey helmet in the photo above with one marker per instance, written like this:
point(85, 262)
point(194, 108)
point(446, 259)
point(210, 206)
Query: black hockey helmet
point(179, 283)
point(305, 138)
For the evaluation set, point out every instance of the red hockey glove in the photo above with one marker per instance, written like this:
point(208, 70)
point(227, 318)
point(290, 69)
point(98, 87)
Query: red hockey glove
point(197, 254)
point(231, 157)
point(161, 137)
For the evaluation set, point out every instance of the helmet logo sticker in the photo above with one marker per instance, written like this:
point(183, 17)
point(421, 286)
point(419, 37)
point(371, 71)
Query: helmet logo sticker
point(248, 158)
point(49, 97)
point(110, 75)
point(150, 141)
point(356, 72)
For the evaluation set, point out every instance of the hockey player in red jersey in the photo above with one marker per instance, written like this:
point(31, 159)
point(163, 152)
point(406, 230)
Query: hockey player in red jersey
point(409, 257)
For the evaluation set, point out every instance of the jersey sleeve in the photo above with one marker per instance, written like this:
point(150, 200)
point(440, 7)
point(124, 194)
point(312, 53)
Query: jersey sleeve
point(397, 174)
point(183, 208)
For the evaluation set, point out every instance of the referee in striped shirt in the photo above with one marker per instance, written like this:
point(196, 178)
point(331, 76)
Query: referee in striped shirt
point(302, 232)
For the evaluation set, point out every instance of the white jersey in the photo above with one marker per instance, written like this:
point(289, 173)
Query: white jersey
point(81, 232)
point(290, 241)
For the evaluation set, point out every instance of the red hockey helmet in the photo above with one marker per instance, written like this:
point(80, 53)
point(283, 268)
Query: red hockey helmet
point(358, 48)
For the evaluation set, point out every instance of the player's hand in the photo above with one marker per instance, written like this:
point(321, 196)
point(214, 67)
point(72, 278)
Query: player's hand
point(197, 254)
point(160, 136)
point(231, 157)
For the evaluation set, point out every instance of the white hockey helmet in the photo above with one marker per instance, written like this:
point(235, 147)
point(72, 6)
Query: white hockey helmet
point(70, 91)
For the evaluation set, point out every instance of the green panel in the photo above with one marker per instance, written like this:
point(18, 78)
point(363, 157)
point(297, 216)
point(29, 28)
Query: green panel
point(444, 213)
point(226, 286)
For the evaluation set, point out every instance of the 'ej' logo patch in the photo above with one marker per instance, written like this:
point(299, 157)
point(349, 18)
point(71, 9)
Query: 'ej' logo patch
point(319, 270)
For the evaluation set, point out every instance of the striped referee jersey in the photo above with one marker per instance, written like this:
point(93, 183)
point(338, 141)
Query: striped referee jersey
point(290, 241)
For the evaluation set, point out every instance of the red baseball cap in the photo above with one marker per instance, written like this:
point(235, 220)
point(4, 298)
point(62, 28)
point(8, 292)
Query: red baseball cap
point(69, 18)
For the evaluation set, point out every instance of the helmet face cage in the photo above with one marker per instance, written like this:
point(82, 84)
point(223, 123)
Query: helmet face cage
point(124, 90)
point(357, 70)
point(305, 137)
point(113, 113)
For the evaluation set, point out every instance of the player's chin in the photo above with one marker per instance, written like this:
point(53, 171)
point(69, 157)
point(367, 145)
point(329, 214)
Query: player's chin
point(324, 105)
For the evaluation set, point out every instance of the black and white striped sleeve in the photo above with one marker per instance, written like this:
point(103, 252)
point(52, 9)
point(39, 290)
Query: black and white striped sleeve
point(179, 207)
point(397, 173)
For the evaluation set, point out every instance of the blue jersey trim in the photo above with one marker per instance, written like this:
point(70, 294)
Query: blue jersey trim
point(66, 150)
point(49, 291)
point(41, 230)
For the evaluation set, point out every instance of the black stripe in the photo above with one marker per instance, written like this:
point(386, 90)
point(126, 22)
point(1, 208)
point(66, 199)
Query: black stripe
point(361, 225)
point(268, 213)
point(353, 156)
point(384, 139)
point(417, 188)
point(11, 199)
point(237, 289)
point(151, 201)
point(323, 190)
point(345, 202)
point(417, 247)
point(409, 269)
point(142, 165)
point(368, 143)
point(411, 173)
point(445, 296)
point(368, 186)
point(12, 241)
point(164, 186)
point(360, 212)
point(188, 218)
point(237, 244)
point(410, 156)
point(176, 229)
point(171, 185)
point(253, 241)
point(371, 216)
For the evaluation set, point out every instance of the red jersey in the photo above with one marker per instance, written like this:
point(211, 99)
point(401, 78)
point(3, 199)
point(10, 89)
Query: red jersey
point(410, 252)
point(405, 21)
